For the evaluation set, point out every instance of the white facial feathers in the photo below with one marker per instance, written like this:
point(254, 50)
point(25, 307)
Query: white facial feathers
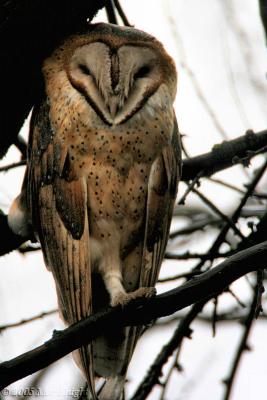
point(116, 82)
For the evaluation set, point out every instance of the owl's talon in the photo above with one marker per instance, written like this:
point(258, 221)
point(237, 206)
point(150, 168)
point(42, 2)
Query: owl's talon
point(125, 298)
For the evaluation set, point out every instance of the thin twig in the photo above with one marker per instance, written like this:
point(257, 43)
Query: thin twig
point(111, 12)
point(121, 13)
point(237, 299)
point(21, 145)
point(214, 316)
point(236, 189)
point(242, 345)
point(221, 237)
point(192, 77)
point(225, 184)
point(27, 320)
point(195, 226)
point(13, 165)
point(260, 291)
point(190, 187)
point(186, 275)
point(174, 366)
point(189, 256)
point(220, 213)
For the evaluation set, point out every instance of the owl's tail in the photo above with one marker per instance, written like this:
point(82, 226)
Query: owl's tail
point(113, 388)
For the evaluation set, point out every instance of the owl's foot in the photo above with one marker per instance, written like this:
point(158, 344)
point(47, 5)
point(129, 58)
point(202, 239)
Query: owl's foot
point(123, 298)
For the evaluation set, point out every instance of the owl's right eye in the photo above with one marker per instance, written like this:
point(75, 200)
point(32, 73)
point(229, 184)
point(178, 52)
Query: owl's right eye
point(84, 69)
point(142, 72)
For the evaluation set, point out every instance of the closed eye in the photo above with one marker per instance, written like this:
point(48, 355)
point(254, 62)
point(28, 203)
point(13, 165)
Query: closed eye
point(84, 69)
point(142, 72)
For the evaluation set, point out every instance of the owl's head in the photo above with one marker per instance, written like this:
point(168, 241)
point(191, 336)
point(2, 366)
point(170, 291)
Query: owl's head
point(115, 69)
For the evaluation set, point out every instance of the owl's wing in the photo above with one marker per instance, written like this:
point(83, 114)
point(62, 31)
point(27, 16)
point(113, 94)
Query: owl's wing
point(162, 190)
point(57, 198)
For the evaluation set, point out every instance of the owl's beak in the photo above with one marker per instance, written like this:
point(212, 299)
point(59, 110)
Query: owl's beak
point(113, 106)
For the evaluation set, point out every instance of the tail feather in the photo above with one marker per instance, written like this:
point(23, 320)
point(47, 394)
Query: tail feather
point(113, 388)
point(84, 360)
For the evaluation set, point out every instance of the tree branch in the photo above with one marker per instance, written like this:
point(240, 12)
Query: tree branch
point(225, 155)
point(27, 320)
point(248, 322)
point(203, 286)
point(154, 373)
point(42, 24)
point(263, 13)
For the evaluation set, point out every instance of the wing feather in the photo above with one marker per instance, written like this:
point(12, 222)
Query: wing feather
point(162, 190)
point(58, 202)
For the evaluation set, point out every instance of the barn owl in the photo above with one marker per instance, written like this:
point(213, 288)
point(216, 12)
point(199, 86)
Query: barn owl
point(102, 175)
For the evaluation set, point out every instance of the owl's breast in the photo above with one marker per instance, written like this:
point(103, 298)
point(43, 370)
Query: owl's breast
point(116, 163)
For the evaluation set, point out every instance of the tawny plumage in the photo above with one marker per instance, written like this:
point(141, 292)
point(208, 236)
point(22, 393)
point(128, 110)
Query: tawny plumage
point(103, 169)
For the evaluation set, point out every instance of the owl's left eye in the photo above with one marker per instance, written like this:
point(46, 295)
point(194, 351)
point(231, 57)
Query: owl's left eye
point(84, 69)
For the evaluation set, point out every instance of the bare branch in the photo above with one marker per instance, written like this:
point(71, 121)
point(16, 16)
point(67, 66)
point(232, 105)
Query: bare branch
point(221, 237)
point(154, 373)
point(110, 10)
point(242, 345)
point(43, 25)
point(21, 145)
point(13, 165)
point(27, 320)
point(202, 287)
point(220, 213)
point(225, 155)
point(121, 13)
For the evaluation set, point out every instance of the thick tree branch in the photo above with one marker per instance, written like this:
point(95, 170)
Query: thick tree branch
point(203, 286)
point(225, 155)
point(29, 30)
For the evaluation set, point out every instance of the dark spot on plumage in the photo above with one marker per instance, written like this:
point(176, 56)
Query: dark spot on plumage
point(66, 168)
